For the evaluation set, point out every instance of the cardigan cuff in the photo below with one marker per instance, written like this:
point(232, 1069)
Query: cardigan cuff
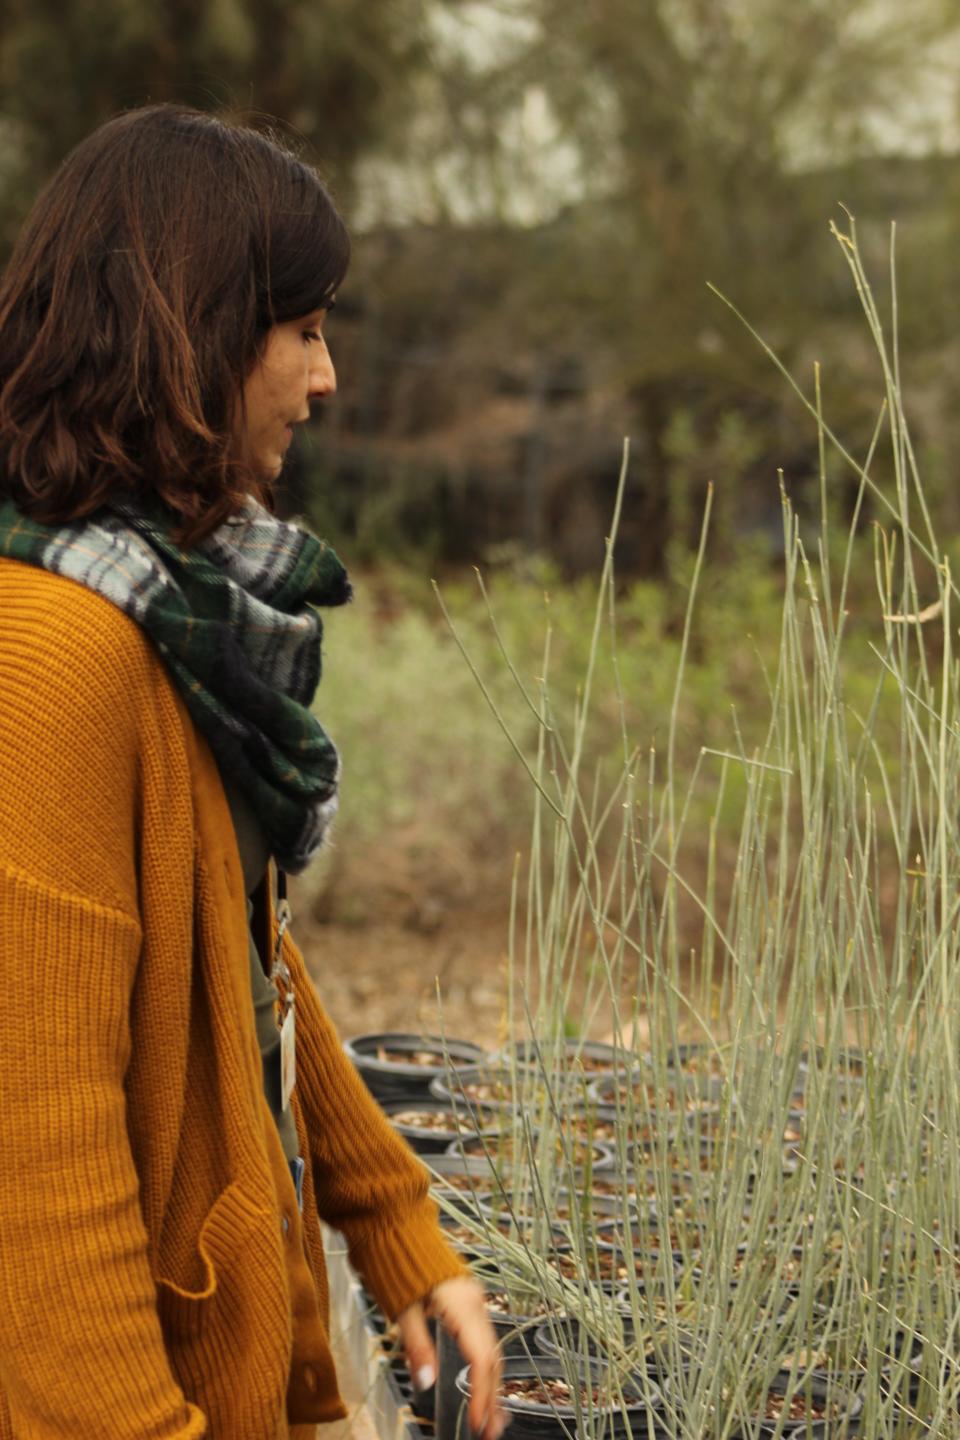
point(400, 1264)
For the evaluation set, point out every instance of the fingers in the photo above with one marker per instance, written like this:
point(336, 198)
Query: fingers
point(458, 1305)
point(418, 1347)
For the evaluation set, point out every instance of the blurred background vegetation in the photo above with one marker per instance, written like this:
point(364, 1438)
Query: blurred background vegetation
point(539, 192)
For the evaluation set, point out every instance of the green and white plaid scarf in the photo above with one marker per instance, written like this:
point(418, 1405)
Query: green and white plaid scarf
point(234, 621)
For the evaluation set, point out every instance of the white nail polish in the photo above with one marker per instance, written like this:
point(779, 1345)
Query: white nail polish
point(425, 1377)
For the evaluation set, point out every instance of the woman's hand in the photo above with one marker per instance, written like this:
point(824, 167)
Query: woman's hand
point(458, 1305)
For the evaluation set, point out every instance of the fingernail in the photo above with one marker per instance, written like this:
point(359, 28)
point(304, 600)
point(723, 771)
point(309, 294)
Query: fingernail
point(425, 1377)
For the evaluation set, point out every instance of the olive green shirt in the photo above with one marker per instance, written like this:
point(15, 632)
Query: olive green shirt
point(254, 855)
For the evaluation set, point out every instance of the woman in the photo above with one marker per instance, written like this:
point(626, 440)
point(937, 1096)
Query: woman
point(161, 1270)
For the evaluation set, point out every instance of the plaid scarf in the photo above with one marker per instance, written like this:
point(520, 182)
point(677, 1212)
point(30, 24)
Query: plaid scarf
point(234, 622)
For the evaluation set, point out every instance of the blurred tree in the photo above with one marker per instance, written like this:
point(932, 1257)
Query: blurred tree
point(703, 140)
point(339, 73)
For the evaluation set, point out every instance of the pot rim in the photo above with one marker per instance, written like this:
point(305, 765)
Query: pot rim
point(556, 1370)
point(354, 1046)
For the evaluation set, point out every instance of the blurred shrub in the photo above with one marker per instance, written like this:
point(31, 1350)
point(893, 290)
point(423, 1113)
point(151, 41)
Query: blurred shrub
point(433, 787)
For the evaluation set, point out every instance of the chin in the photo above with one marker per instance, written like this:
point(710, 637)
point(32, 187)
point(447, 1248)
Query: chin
point(270, 468)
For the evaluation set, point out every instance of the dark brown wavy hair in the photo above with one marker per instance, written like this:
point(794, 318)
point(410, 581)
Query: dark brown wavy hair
point(135, 304)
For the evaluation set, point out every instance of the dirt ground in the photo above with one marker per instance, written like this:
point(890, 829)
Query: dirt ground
point(415, 938)
point(395, 927)
point(386, 976)
point(419, 945)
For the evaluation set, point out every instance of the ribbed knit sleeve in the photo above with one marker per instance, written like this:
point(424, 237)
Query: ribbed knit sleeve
point(81, 1349)
point(369, 1183)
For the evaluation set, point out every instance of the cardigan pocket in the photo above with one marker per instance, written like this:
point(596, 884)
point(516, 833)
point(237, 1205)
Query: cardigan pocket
point(184, 1312)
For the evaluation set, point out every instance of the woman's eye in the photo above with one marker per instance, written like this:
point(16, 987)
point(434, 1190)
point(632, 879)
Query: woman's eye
point(312, 335)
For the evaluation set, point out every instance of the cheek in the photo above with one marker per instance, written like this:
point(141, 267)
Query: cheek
point(271, 398)
point(287, 382)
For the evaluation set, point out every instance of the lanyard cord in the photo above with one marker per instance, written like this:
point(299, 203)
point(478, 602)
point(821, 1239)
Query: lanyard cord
point(280, 970)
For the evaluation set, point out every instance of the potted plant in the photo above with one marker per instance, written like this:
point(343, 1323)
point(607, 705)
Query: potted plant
point(432, 1126)
point(397, 1066)
point(551, 1399)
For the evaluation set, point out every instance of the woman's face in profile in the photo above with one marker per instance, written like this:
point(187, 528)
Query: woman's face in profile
point(294, 369)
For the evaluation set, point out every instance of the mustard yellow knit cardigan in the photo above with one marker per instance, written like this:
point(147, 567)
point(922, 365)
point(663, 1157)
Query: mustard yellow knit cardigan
point(156, 1279)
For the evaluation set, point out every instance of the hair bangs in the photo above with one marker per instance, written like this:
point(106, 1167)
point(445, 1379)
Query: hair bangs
point(308, 249)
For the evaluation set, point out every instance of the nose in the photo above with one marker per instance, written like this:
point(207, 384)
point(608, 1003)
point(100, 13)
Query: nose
point(321, 377)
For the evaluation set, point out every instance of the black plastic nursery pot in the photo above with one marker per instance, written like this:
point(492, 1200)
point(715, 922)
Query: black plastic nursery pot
point(564, 1334)
point(713, 1125)
point(586, 1135)
point(450, 1407)
point(702, 1061)
point(683, 1241)
point(422, 1403)
point(491, 1084)
point(432, 1126)
point(687, 1195)
point(663, 1356)
point(571, 1153)
point(605, 1184)
point(685, 1151)
point(416, 1407)
point(910, 1381)
point(515, 1334)
point(467, 1174)
point(842, 1407)
point(850, 1062)
point(515, 1322)
point(395, 1064)
point(602, 1124)
point(469, 1237)
point(581, 1211)
point(611, 1268)
point(592, 1057)
point(556, 1413)
point(683, 1095)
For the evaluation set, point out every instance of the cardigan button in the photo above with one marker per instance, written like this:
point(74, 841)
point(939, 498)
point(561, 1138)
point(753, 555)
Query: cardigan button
point(310, 1379)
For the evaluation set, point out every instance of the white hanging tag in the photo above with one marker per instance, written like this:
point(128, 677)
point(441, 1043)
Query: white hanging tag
point(288, 1055)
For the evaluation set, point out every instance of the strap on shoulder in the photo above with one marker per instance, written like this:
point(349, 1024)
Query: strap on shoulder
point(261, 925)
